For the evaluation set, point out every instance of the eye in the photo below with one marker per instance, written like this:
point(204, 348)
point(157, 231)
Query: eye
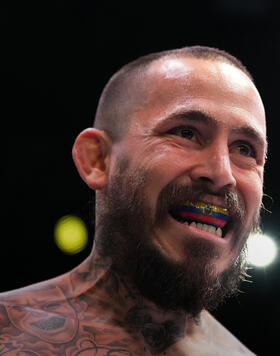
point(246, 150)
point(185, 132)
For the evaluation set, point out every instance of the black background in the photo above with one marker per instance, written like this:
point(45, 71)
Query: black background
point(56, 58)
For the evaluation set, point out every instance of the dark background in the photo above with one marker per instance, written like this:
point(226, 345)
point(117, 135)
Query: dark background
point(56, 58)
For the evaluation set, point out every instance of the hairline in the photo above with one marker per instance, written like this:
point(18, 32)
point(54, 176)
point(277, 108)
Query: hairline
point(130, 72)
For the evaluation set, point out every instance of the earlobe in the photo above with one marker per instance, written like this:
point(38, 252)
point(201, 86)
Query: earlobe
point(91, 155)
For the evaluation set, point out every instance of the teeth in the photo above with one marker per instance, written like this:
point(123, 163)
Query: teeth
point(186, 223)
point(212, 229)
point(206, 227)
point(219, 232)
point(200, 226)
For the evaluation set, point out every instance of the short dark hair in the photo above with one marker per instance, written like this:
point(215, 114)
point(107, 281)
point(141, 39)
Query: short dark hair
point(119, 97)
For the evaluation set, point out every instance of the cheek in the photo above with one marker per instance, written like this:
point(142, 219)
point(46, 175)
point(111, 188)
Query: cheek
point(162, 166)
point(252, 191)
point(167, 160)
point(163, 170)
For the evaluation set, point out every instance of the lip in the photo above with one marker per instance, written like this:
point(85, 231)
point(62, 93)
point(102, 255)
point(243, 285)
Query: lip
point(213, 200)
point(198, 233)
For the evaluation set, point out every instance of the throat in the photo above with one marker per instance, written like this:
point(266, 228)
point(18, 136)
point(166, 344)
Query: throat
point(159, 330)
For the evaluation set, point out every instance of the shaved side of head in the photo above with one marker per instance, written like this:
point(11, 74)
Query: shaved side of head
point(125, 91)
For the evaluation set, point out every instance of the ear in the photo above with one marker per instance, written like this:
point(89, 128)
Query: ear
point(91, 156)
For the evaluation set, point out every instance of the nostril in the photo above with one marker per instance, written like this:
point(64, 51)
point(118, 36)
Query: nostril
point(205, 179)
point(213, 170)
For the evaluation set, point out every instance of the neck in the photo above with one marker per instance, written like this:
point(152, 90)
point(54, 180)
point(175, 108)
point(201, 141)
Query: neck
point(115, 298)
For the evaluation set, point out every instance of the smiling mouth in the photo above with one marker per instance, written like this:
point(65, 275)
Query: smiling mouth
point(203, 216)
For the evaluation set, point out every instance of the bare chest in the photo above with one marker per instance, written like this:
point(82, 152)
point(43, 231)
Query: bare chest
point(73, 338)
point(206, 347)
point(41, 333)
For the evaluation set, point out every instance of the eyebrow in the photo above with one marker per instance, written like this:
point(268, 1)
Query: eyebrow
point(205, 118)
point(194, 115)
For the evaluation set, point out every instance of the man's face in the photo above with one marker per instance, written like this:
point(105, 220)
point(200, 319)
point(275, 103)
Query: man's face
point(199, 138)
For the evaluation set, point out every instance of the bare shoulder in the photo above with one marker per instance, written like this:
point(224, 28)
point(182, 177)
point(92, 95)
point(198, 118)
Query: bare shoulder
point(51, 318)
point(39, 313)
point(223, 337)
point(38, 296)
point(211, 338)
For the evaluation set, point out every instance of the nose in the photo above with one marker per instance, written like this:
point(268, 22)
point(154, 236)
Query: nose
point(213, 167)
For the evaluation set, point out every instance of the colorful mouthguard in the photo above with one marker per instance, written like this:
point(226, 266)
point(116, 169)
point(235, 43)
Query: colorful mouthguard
point(203, 212)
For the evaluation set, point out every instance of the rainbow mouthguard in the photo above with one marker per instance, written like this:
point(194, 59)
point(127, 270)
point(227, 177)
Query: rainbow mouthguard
point(203, 212)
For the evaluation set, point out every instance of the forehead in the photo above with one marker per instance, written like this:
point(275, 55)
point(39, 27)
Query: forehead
point(219, 88)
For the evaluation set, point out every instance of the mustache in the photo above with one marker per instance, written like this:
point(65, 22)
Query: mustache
point(175, 194)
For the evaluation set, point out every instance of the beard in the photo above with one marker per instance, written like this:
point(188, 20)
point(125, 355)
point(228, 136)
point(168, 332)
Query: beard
point(126, 225)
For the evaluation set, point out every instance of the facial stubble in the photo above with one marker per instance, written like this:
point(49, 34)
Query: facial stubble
point(125, 232)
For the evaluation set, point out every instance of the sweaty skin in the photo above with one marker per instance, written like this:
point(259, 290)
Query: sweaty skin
point(93, 309)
